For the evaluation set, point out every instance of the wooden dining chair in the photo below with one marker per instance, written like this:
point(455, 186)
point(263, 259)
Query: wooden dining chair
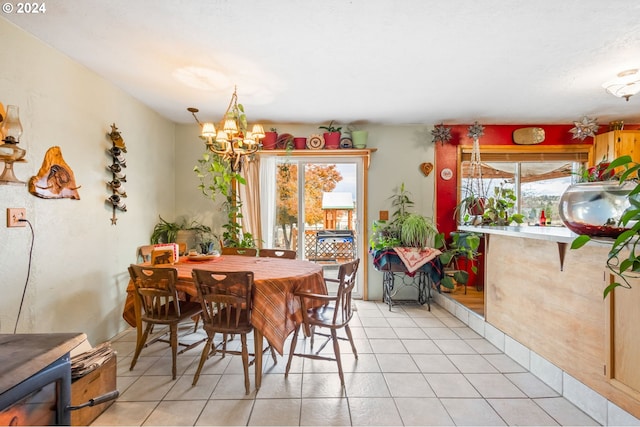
point(277, 253)
point(226, 299)
point(155, 289)
point(239, 251)
point(143, 254)
point(330, 312)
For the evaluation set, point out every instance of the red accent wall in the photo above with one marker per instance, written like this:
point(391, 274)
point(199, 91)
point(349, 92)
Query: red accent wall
point(446, 157)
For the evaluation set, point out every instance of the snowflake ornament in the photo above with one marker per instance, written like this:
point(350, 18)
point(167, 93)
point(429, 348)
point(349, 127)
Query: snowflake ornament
point(441, 134)
point(476, 130)
point(584, 128)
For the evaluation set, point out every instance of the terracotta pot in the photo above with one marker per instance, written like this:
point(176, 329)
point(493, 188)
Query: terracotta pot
point(300, 143)
point(269, 140)
point(331, 140)
point(477, 207)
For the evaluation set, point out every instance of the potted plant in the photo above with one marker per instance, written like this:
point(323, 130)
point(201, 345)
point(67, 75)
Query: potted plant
point(191, 233)
point(417, 231)
point(498, 208)
point(216, 177)
point(269, 140)
point(359, 137)
point(331, 136)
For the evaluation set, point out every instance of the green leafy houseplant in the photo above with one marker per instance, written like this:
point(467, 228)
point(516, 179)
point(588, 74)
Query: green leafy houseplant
point(330, 128)
point(216, 177)
point(622, 268)
point(167, 232)
point(498, 208)
point(417, 231)
point(463, 245)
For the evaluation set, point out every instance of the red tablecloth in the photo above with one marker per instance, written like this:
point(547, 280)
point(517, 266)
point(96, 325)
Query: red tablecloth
point(275, 310)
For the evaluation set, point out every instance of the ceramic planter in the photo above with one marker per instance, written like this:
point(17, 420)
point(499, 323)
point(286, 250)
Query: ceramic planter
point(300, 143)
point(269, 140)
point(359, 138)
point(331, 140)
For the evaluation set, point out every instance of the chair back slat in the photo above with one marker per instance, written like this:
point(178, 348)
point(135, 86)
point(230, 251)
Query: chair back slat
point(226, 299)
point(239, 251)
point(156, 289)
point(277, 253)
point(347, 277)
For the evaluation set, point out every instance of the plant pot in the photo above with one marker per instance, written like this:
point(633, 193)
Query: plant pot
point(269, 140)
point(300, 143)
point(477, 206)
point(331, 140)
point(359, 138)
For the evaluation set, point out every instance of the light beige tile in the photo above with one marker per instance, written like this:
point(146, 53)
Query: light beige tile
point(213, 365)
point(374, 322)
point(387, 346)
point(429, 322)
point(396, 363)
point(225, 412)
point(521, 412)
point(380, 333)
point(325, 412)
point(366, 385)
point(504, 363)
point(454, 346)
point(408, 385)
point(401, 322)
point(564, 412)
point(123, 383)
point(123, 413)
point(494, 385)
point(163, 365)
point(410, 333)
point(142, 365)
point(435, 363)
point(451, 385)
point(531, 385)
point(472, 412)
point(231, 386)
point(423, 346)
point(148, 388)
point(275, 412)
point(452, 322)
point(279, 387)
point(184, 390)
point(322, 385)
point(440, 333)
point(466, 333)
point(374, 412)
point(423, 412)
point(472, 363)
point(175, 413)
point(364, 363)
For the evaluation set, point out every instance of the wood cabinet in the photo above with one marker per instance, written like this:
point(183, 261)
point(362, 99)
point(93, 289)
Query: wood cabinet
point(616, 143)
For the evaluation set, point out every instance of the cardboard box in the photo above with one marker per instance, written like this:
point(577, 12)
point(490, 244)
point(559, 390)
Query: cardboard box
point(94, 384)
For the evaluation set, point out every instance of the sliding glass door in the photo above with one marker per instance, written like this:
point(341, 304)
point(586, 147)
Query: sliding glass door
point(313, 206)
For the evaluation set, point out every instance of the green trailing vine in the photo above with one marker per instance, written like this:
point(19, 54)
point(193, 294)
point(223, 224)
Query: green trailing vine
point(216, 177)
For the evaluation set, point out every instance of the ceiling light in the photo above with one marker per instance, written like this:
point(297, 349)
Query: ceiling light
point(232, 141)
point(625, 85)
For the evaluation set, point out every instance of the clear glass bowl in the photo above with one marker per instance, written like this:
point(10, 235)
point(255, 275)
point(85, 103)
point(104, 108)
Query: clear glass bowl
point(595, 208)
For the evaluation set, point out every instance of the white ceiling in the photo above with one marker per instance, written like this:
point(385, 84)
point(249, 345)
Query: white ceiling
point(362, 61)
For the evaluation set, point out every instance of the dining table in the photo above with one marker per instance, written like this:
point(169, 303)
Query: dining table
point(275, 312)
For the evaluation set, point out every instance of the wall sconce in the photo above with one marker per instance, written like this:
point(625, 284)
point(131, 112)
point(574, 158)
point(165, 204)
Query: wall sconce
point(625, 85)
point(10, 153)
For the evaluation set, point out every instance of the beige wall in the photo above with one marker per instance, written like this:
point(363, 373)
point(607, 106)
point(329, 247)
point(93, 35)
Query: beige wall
point(78, 272)
point(400, 151)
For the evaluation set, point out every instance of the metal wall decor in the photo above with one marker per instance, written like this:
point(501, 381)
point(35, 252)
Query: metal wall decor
point(118, 176)
point(441, 134)
point(584, 128)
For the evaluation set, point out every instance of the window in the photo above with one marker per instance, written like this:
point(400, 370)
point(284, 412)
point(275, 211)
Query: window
point(538, 174)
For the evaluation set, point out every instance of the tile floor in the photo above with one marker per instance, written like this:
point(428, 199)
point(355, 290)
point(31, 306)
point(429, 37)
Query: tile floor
point(415, 367)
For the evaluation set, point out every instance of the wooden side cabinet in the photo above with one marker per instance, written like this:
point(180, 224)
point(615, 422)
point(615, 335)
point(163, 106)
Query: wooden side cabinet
point(616, 143)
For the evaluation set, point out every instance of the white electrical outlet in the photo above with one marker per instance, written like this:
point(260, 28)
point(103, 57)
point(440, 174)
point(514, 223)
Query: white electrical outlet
point(14, 215)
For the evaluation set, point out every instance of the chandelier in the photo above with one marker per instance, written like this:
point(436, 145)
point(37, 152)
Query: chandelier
point(231, 141)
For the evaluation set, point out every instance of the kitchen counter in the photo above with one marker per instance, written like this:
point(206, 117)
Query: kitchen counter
point(551, 234)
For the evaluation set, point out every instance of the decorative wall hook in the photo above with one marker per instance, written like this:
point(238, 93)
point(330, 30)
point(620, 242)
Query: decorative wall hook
point(117, 174)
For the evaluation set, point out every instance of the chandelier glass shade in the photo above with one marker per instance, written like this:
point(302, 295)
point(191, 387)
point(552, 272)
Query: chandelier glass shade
point(625, 85)
point(232, 140)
